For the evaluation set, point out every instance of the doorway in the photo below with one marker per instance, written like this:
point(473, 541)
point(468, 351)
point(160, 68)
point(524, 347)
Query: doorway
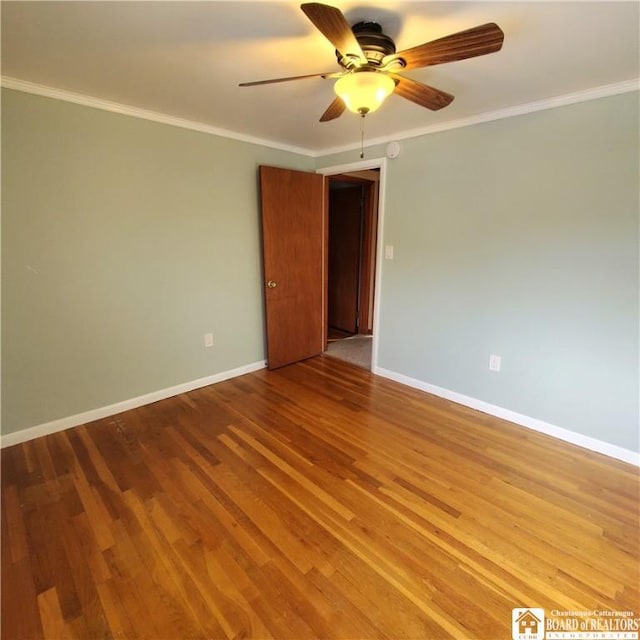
point(352, 241)
point(294, 220)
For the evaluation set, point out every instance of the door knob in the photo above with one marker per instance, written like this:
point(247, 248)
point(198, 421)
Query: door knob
point(271, 284)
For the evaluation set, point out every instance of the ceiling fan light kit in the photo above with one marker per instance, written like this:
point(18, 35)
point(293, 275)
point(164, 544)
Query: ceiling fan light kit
point(371, 69)
point(363, 91)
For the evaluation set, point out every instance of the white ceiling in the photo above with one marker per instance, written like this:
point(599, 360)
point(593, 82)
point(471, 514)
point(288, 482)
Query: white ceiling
point(185, 59)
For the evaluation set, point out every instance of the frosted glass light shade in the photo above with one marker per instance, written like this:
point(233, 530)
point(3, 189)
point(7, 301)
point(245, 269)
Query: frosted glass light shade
point(364, 91)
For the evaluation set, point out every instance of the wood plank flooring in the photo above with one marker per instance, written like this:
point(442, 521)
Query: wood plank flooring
point(315, 501)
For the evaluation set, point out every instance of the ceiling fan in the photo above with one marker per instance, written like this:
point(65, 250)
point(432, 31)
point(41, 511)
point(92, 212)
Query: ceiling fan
point(371, 67)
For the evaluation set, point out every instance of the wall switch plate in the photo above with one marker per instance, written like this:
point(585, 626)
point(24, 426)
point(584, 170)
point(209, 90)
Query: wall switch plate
point(208, 339)
point(495, 362)
point(388, 252)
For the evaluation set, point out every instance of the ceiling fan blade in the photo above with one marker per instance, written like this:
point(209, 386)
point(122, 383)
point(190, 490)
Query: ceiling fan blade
point(478, 41)
point(335, 28)
point(330, 74)
point(420, 93)
point(335, 110)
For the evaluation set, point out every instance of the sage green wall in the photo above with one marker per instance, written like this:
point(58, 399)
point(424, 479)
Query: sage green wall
point(123, 242)
point(519, 237)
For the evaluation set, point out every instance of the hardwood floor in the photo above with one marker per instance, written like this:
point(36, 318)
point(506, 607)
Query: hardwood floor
point(315, 501)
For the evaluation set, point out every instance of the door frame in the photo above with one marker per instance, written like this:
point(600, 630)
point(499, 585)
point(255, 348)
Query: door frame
point(381, 164)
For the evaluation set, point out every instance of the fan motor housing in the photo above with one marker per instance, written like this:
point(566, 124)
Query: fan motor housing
point(374, 44)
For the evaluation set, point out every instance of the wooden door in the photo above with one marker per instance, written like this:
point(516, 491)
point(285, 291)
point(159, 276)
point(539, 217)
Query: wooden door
point(293, 241)
point(345, 240)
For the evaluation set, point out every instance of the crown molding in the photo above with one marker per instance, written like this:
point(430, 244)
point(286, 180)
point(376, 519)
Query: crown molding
point(509, 112)
point(135, 112)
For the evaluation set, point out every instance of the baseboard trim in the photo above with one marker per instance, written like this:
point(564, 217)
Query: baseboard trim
point(586, 442)
point(133, 403)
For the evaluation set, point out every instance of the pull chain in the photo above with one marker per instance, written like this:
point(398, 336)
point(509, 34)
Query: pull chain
point(362, 135)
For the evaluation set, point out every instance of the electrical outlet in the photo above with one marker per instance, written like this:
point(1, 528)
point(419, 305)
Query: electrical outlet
point(208, 339)
point(495, 362)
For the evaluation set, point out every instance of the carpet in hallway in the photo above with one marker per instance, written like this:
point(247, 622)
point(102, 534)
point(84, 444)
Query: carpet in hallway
point(356, 350)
